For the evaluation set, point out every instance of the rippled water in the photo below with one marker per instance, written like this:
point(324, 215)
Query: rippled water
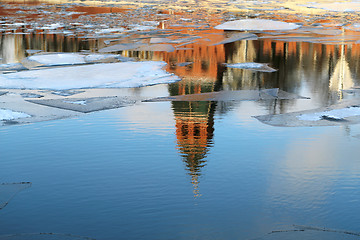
point(124, 174)
point(191, 170)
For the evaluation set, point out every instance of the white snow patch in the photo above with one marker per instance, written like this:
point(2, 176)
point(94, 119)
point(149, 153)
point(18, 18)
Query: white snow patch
point(251, 66)
point(334, 114)
point(257, 24)
point(110, 75)
point(98, 57)
point(80, 102)
point(7, 114)
point(110, 30)
point(58, 58)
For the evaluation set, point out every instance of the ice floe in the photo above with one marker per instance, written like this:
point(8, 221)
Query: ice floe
point(337, 6)
point(58, 59)
point(105, 75)
point(11, 67)
point(343, 113)
point(7, 114)
point(241, 95)
point(260, 67)
point(237, 37)
point(257, 24)
point(335, 114)
point(86, 105)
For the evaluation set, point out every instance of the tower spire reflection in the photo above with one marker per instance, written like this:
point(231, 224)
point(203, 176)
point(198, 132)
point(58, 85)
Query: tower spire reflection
point(194, 132)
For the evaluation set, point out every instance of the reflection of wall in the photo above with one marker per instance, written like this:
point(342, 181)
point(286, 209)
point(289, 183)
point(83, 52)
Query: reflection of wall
point(194, 133)
point(316, 70)
point(13, 47)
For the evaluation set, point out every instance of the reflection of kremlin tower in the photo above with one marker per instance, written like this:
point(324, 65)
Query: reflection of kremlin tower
point(194, 133)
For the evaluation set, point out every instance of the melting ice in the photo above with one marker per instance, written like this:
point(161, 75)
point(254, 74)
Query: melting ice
point(110, 75)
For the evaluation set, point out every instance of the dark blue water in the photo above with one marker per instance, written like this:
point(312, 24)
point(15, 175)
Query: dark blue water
point(124, 174)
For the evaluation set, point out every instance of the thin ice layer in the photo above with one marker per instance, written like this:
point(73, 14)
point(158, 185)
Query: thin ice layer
point(257, 24)
point(111, 75)
point(261, 67)
point(344, 113)
point(9, 190)
point(58, 58)
point(332, 114)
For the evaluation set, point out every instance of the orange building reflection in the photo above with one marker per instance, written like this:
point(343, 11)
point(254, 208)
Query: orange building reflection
point(194, 133)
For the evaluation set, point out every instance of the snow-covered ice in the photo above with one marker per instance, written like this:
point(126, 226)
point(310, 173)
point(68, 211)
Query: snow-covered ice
point(7, 114)
point(110, 75)
point(257, 24)
point(261, 67)
point(332, 114)
point(58, 59)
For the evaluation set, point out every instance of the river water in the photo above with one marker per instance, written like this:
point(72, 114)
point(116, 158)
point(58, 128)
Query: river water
point(191, 170)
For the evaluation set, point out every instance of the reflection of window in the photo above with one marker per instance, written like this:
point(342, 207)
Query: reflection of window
point(184, 130)
point(197, 130)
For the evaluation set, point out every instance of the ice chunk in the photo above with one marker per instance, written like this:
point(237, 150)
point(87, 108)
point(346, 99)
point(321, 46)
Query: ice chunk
point(332, 114)
point(100, 57)
point(9, 190)
point(257, 24)
point(109, 75)
point(121, 47)
point(7, 114)
point(12, 67)
point(3, 93)
point(80, 102)
point(157, 48)
point(344, 113)
point(66, 93)
point(58, 59)
point(31, 95)
point(238, 37)
point(110, 30)
point(32, 51)
point(86, 105)
point(261, 67)
point(337, 6)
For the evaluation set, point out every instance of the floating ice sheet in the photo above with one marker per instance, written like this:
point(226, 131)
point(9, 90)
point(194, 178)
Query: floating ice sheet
point(86, 105)
point(260, 67)
point(9, 190)
point(241, 95)
point(157, 48)
point(7, 114)
point(12, 67)
point(121, 47)
point(109, 75)
point(257, 24)
point(58, 59)
point(344, 113)
point(238, 37)
point(337, 6)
